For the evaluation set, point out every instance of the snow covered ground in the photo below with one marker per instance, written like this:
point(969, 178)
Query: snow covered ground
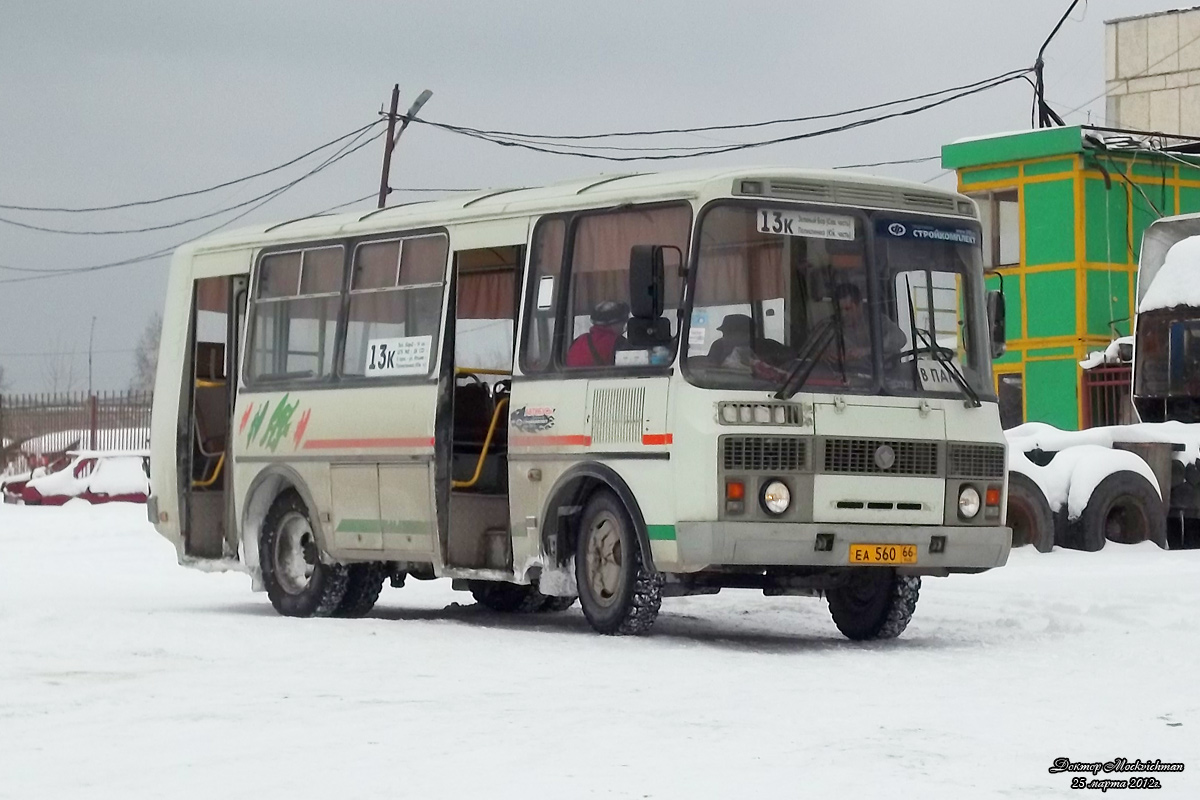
point(123, 675)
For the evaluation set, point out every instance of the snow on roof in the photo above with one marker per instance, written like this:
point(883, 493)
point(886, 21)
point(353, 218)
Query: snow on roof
point(1177, 282)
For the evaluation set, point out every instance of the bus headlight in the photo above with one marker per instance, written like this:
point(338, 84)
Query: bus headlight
point(776, 498)
point(968, 502)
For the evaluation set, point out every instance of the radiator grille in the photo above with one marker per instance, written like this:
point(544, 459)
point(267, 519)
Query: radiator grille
point(858, 456)
point(618, 415)
point(763, 453)
point(976, 460)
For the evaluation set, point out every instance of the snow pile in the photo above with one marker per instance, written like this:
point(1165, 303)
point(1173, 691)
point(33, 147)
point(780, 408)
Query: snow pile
point(1040, 436)
point(1178, 280)
point(1119, 351)
point(63, 483)
point(1072, 475)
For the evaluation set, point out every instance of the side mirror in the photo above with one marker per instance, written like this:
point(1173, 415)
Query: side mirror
point(996, 322)
point(646, 282)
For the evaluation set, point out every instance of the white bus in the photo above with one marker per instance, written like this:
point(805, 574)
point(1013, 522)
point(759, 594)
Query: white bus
point(616, 389)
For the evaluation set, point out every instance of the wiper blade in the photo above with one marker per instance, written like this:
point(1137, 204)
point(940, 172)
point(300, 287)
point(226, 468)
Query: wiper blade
point(813, 348)
point(939, 356)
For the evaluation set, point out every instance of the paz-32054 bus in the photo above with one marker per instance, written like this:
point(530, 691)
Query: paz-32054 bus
point(616, 389)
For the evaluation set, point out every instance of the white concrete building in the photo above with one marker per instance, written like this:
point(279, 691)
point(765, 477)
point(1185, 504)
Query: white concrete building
point(1152, 71)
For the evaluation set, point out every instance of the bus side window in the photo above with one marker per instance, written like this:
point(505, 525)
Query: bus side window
point(545, 276)
point(296, 303)
point(396, 289)
point(600, 251)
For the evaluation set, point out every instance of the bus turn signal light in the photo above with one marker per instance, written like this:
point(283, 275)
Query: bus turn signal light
point(993, 496)
point(735, 490)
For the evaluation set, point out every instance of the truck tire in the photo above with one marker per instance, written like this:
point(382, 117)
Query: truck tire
point(1123, 508)
point(875, 603)
point(364, 582)
point(507, 598)
point(1029, 514)
point(296, 580)
point(617, 593)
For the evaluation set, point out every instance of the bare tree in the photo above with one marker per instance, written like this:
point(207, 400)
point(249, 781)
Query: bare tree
point(3, 382)
point(145, 358)
point(58, 370)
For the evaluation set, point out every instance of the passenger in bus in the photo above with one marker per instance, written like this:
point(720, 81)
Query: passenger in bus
point(598, 347)
point(739, 347)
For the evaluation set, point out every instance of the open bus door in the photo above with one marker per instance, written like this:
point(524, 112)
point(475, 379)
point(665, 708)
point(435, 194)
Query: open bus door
point(218, 310)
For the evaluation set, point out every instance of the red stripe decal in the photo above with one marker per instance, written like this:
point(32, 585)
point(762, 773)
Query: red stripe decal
point(535, 441)
point(346, 444)
point(657, 438)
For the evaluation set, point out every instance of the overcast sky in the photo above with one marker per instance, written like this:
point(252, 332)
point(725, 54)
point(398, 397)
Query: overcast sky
point(110, 102)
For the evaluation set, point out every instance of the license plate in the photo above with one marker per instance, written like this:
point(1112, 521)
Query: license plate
point(883, 554)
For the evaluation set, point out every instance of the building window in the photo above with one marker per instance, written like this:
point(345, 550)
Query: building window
point(1000, 218)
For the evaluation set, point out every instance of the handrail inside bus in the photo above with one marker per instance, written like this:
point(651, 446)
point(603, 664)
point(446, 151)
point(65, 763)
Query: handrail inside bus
point(204, 484)
point(487, 443)
point(481, 371)
point(205, 383)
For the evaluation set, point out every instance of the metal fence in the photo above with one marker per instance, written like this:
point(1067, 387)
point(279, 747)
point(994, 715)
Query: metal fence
point(1105, 395)
point(36, 428)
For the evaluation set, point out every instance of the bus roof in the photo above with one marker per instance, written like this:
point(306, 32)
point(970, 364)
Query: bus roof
point(612, 188)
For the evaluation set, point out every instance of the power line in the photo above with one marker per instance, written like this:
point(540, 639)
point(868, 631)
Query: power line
point(921, 160)
point(243, 179)
point(727, 127)
point(993, 83)
point(42, 274)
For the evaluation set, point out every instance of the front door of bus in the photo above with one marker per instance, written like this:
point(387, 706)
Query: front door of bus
point(218, 309)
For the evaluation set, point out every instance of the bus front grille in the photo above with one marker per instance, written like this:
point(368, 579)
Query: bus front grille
point(967, 460)
point(881, 457)
point(764, 453)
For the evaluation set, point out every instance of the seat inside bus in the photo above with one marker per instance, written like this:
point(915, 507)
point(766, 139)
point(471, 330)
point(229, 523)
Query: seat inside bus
point(484, 333)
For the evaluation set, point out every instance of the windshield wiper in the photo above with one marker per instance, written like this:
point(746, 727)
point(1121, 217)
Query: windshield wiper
point(939, 355)
point(813, 348)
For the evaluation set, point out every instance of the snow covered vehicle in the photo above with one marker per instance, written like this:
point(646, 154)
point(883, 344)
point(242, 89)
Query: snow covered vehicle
point(99, 476)
point(1138, 482)
point(617, 389)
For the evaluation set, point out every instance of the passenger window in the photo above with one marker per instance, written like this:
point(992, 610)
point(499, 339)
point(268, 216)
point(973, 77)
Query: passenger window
point(599, 309)
point(295, 314)
point(545, 267)
point(396, 292)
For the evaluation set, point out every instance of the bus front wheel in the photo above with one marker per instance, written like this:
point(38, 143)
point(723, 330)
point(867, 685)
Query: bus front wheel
point(617, 593)
point(297, 582)
point(874, 603)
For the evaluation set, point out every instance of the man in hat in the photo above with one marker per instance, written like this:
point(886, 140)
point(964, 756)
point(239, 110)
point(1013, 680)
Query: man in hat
point(736, 345)
point(598, 347)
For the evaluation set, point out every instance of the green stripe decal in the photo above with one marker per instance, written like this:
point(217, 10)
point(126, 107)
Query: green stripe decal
point(661, 533)
point(387, 526)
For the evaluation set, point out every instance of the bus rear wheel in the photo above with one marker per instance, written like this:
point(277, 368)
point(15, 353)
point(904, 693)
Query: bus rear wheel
point(617, 593)
point(874, 603)
point(364, 582)
point(297, 582)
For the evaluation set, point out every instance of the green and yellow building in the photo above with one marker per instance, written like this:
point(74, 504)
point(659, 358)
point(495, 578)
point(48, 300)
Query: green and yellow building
point(1063, 211)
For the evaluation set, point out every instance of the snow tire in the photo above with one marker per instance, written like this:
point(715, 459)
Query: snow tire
point(324, 585)
point(618, 595)
point(1029, 514)
point(364, 582)
point(1125, 508)
point(875, 603)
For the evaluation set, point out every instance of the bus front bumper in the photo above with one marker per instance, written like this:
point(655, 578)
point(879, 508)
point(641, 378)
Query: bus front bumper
point(723, 543)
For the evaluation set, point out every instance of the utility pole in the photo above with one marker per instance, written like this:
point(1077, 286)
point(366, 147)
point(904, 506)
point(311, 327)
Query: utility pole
point(91, 397)
point(91, 337)
point(393, 135)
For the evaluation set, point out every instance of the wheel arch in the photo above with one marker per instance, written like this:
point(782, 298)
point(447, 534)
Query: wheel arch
point(261, 494)
point(564, 508)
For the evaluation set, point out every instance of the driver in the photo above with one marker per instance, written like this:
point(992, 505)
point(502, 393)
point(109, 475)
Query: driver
point(856, 327)
point(598, 347)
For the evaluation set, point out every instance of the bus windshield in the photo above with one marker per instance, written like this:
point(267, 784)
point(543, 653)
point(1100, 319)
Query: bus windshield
point(786, 298)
